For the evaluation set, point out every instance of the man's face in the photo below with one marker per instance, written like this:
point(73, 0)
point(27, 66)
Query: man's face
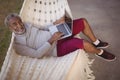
point(16, 26)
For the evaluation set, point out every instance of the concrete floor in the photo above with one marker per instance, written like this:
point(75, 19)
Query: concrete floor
point(104, 18)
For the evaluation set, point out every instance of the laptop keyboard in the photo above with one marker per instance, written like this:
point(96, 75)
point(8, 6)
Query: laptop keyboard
point(62, 28)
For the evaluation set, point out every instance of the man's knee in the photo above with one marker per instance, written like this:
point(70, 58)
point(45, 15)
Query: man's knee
point(84, 19)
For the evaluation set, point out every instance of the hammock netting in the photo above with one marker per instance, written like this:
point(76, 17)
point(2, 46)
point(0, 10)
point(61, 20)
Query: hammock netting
point(74, 66)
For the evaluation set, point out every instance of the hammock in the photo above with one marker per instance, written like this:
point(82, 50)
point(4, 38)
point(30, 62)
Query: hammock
point(74, 66)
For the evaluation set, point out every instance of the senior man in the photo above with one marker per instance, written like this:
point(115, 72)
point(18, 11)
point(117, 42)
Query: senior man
point(34, 42)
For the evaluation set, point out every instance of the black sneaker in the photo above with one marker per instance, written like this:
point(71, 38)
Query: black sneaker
point(107, 56)
point(102, 44)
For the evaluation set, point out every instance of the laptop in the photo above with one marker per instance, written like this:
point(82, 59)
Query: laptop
point(65, 28)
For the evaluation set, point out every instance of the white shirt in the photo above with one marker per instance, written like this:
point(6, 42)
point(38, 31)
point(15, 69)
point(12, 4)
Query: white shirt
point(34, 42)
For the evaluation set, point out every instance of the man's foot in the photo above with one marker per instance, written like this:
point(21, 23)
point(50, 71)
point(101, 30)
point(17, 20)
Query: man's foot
point(102, 44)
point(107, 56)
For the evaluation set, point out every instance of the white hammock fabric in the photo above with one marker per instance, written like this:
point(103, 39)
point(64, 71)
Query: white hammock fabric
point(74, 66)
point(44, 12)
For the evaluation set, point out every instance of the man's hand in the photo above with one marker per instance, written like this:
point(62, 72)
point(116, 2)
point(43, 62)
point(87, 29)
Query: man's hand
point(56, 36)
point(60, 21)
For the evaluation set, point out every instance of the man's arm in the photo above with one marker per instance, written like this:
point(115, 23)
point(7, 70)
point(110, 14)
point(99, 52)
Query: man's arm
point(38, 53)
point(59, 21)
point(67, 17)
point(27, 51)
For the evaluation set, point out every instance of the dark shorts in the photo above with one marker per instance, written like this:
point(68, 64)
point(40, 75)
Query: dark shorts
point(70, 44)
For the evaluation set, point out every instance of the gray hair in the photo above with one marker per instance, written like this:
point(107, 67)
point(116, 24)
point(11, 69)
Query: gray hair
point(12, 15)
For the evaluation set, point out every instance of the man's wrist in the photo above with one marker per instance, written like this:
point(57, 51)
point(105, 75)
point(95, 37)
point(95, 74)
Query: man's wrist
point(50, 41)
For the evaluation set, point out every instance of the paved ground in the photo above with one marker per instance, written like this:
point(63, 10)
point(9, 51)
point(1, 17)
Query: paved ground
point(104, 18)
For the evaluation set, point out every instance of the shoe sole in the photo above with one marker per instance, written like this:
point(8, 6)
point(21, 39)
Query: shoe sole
point(106, 59)
point(104, 47)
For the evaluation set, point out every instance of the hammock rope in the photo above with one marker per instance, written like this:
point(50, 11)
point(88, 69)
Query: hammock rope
point(74, 66)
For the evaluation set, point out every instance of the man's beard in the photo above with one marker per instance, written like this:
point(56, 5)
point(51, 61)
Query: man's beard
point(21, 31)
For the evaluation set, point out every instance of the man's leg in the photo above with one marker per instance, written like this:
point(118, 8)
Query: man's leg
point(88, 31)
point(71, 44)
point(82, 25)
point(88, 47)
point(67, 45)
